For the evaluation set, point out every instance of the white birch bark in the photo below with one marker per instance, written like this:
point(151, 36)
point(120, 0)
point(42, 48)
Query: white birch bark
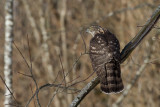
point(46, 55)
point(8, 51)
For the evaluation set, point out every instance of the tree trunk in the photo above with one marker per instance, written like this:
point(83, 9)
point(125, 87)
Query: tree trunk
point(8, 51)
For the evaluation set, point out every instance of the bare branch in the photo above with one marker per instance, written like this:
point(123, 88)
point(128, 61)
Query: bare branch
point(63, 74)
point(139, 37)
point(33, 78)
point(49, 85)
point(91, 85)
point(30, 69)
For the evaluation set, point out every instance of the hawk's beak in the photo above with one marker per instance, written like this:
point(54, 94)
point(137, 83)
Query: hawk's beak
point(89, 31)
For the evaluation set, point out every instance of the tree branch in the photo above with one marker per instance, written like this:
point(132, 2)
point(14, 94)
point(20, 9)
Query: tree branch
point(141, 34)
point(124, 55)
point(137, 76)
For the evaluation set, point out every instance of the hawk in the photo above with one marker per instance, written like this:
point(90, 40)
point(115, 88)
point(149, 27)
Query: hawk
point(105, 57)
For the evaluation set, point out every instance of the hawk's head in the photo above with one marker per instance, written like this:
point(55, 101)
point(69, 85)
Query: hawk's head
point(93, 30)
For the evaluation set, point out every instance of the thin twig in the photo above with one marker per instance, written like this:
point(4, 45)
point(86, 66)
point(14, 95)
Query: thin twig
point(56, 91)
point(30, 68)
point(32, 94)
point(35, 82)
point(85, 48)
point(82, 80)
point(58, 85)
point(24, 74)
point(63, 74)
point(21, 55)
point(9, 91)
point(50, 85)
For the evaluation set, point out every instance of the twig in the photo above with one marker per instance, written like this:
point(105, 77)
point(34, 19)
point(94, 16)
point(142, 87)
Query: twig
point(49, 85)
point(57, 90)
point(30, 69)
point(9, 91)
point(35, 82)
point(53, 85)
point(24, 74)
point(85, 48)
point(32, 94)
point(21, 55)
point(63, 74)
point(82, 80)
point(124, 55)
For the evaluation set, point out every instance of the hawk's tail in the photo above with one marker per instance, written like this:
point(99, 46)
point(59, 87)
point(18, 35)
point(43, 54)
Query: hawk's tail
point(112, 87)
point(112, 82)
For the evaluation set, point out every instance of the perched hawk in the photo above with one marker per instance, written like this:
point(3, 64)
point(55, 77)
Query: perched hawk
point(105, 56)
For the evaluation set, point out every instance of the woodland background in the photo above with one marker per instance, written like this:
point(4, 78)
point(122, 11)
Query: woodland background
point(55, 29)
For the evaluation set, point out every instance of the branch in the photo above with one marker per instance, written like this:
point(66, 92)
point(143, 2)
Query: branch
point(139, 37)
point(124, 55)
point(137, 76)
point(49, 85)
point(84, 92)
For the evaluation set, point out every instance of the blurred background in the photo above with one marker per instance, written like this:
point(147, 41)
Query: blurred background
point(58, 42)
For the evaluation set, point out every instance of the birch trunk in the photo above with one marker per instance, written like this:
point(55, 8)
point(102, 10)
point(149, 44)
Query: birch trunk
point(8, 51)
point(46, 54)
